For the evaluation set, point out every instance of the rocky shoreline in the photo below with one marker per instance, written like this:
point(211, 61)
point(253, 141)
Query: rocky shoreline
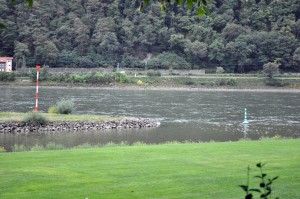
point(128, 123)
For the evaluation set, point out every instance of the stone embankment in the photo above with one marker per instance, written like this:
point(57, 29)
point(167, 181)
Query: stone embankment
point(19, 127)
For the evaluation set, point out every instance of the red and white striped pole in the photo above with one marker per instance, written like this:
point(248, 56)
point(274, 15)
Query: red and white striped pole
point(37, 88)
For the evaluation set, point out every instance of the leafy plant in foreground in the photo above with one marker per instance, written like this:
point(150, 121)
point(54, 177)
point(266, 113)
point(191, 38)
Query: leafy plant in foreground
point(265, 189)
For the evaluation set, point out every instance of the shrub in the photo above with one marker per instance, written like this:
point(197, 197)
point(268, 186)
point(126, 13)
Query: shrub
point(153, 73)
point(2, 149)
point(276, 83)
point(19, 148)
point(219, 70)
point(37, 148)
point(189, 81)
point(52, 110)
point(130, 62)
point(65, 107)
point(168, 60)
point(232, 82)
point(34, 118)
point(100, 78)
point(122, 78)
point(84, 146)
point(4, 76)
point(139, 82)
point(54, 146)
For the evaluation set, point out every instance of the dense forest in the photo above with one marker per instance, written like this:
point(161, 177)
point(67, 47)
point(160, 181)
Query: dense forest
point(238, 35)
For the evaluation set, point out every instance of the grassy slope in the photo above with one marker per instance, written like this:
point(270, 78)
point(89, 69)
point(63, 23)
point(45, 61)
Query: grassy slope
point(251, 81)
point(205, 170)
point(18, 117)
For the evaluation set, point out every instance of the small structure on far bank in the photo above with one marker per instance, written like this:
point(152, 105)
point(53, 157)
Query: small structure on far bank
point(6, 64)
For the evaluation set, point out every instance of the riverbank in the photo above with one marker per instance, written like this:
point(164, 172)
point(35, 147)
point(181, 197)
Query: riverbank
point(11, 123)
point(208, 81)
point(200, 170)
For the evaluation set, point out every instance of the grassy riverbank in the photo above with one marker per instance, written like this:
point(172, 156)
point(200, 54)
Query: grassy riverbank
point(231, 81)
point(18, 117)
point(204, 170)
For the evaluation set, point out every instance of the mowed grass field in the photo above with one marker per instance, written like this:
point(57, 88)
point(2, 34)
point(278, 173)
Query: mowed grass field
point(202, 170)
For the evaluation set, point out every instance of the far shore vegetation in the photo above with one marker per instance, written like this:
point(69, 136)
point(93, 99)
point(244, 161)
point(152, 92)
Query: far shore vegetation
point(155, 79)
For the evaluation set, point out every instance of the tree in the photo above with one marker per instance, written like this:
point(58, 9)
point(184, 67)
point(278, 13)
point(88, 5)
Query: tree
point(21, 51)
point(271, 68)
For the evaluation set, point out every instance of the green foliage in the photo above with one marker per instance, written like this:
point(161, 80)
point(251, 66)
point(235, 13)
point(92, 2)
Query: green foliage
point(239, 36)
point(277, 83)
point(2, 149)
point(43, 74)
point(189, 82)
point(122, 78)
point(35, 118)
point(52, 110)
point(65, 107)
point(153, 73)
point(168, 60)
point(4, 76)
point(19, 148)
point(265, 184)
point(139, 82)
point(270, 68)
point(219, 70)
point(84, 146)
point(232, 82)
point(54, 146)
point(225, 82)
point(37, 148)
point(129, 61)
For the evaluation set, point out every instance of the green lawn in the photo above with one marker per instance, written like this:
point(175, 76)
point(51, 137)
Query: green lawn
point(204, 170)
point(18, 117)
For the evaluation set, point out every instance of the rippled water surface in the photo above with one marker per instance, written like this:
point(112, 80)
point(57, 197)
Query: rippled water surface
point(185, 115)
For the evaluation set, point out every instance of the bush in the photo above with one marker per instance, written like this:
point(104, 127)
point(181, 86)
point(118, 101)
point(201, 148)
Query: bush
point(19, 148)
point(153, 73)
point(168, 60)
point(100, 78)
point(2, 149)
point(35, 118)
point(54, 146)
point(52, 110)
point(276, 83)
point(65, 107)
point(37, 148)
point(232, 82)
point(139, 82)
point(189, 82)
point(219, 70)
point(129, 61)
point(122, 78)
point(4, 76)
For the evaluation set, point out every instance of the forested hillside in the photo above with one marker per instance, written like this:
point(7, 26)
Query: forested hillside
point(238, 35)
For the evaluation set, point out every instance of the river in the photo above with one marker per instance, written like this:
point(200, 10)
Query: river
point(197, 116)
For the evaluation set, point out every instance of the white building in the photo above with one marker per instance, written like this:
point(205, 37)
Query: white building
point(6, 64)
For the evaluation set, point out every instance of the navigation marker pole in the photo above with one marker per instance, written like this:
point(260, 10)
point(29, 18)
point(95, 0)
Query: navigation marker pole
point(245, 118)
point(37, 88)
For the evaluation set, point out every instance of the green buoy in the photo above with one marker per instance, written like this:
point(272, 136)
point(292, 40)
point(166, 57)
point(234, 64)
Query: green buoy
point(245, 118)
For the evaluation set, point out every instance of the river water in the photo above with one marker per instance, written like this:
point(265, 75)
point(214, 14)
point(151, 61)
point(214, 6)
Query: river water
point(197, 116)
